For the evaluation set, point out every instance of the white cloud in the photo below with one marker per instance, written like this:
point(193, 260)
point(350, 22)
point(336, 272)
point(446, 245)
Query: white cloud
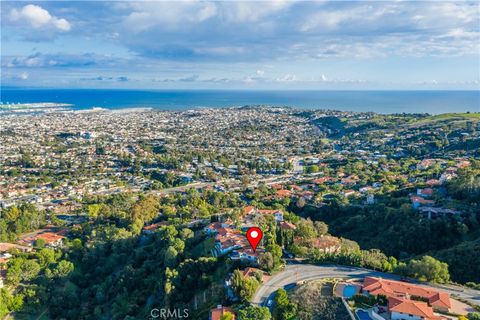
point(260, 31)
point(287, 78)
point(38, 18)
point(251, 11)
point(249, 80)
point(260, 72)
point(23, 76)
point(168, 15)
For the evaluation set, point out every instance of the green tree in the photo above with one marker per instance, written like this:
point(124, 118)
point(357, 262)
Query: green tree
point(266, 262)
point(227, 316)
point(63, 269)
point(321, 228)
point(21, 269)
point(426, 269)
point(171, 257)
point(284, 308)
point(312, 169)
point(45, 257)
point(254, 313)
point(474, 316)
point(242, 287)
point(40, 243)
point(9, 302)
point(306, 229)
point(276, 252)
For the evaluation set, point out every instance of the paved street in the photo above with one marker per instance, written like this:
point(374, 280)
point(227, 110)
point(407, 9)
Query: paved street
point(301, 272)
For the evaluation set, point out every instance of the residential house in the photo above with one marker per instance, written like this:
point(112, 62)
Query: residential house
point(433, 182)
point(283, 193)
point(419, 201)
point(246, 254)
point(278, 214)
point(248, 210)
point(425, 164)
point(150, 229)
point(52, 240)
point(410, 310)
point(285, 225)
point(214, 227)
point(250, 272)
point(365, 189)
point(219, 311)
point(402, 291)
point(227, 240)
point(322, 180)
point(427, 192)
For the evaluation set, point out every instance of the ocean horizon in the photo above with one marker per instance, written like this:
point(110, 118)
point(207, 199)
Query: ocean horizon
point(379, 101)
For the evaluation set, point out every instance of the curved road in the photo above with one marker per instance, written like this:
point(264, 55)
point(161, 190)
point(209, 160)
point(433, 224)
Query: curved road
point(295, 273)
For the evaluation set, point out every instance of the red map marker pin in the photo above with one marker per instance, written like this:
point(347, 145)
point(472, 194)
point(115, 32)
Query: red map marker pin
point(254, 235)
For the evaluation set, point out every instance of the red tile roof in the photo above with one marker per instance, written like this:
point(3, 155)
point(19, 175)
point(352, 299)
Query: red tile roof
point(416, 308)
point(248, 209)
point(398, 289)
point(155, 226)
point(427, 191)
point(250, 272)
point(321, 180)
point(287, 225)
point(216, 314)
point(49, 237)
point(421, 200)
point(283, 193)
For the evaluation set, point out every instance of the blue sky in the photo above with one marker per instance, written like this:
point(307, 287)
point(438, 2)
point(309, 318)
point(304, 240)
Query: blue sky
point(241, 45)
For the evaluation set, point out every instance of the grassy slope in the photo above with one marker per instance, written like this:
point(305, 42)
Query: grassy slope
point(447, 117)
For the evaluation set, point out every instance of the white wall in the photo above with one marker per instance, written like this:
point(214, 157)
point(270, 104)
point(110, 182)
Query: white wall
point(402, 316)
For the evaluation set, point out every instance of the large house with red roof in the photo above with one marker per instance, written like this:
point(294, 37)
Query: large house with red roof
point(52, 239)
point(408, 301)
point(228, 239)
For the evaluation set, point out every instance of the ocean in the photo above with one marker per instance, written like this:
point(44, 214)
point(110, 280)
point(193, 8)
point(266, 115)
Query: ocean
point(433, 102)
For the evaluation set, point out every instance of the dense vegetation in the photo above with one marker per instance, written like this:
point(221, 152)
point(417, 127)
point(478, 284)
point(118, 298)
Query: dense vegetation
point(110, 270)
point(400, 231)
point(16, 220)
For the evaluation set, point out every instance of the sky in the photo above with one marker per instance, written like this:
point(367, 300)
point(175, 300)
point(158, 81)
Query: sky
point(241, 45)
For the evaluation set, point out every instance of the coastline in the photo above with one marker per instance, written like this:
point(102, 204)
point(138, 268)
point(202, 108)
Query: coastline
point(381, 102)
